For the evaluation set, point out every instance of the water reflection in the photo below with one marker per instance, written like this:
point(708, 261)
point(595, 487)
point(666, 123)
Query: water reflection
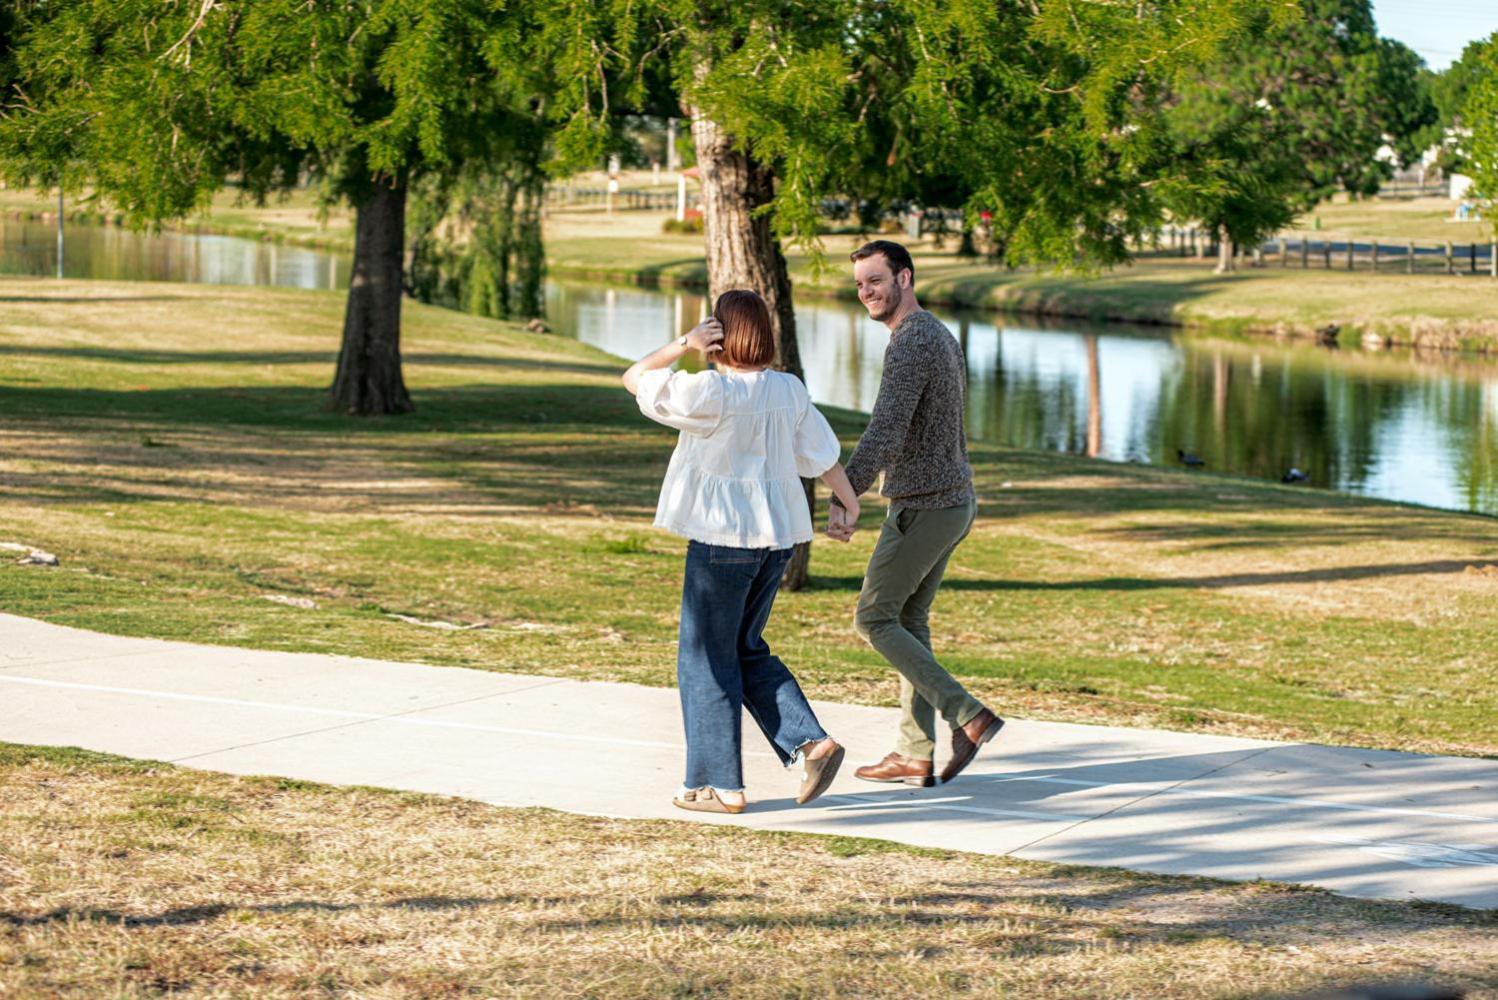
point(117, 254)
point(1393, 426)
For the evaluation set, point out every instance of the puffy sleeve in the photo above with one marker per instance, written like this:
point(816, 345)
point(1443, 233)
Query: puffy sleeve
point(686, 401)
point(817, 447)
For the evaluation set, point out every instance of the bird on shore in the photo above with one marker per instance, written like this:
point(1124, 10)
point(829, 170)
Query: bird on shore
point(1195, 461)
point(1295, 476)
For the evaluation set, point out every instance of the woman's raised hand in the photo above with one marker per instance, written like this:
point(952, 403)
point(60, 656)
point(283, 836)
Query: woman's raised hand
point(706, 337)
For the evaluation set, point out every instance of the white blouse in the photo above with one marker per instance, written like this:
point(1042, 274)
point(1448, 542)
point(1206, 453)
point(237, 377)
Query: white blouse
point(747, 439)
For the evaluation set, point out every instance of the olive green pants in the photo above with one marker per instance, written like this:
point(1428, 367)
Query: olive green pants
point(893, 610)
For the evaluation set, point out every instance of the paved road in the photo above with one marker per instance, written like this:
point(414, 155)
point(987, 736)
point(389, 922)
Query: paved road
point(1365, 823)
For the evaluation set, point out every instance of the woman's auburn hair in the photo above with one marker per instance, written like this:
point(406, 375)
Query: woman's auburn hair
point(748, 338)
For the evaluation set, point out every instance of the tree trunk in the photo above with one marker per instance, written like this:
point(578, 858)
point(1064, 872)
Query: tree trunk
point(369, 381)
point(1227, 254)
point(742, 252)
point(967, 248)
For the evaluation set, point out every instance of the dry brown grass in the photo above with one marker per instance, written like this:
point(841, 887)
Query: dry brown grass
point(124, 880)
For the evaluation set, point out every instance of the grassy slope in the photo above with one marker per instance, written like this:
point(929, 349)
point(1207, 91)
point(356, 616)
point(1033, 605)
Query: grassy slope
point(131, 879)
point(1428, 309)
point(167, 442)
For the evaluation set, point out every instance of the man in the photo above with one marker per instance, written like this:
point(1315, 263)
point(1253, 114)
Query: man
point(916, 439)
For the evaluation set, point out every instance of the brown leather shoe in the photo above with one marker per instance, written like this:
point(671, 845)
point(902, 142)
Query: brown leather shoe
point(967, 739)
point(897, 767)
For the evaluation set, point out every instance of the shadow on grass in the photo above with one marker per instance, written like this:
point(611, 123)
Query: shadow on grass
point(137, 356)
point(478, 408)
point(203, 914)
point(564, 448)
point(1126, 583)
point(90, 299)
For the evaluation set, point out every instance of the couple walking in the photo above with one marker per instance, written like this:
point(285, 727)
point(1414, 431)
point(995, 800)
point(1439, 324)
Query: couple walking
point(733, 489)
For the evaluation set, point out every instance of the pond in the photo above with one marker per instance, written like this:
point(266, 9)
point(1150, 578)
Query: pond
point(1390, 425)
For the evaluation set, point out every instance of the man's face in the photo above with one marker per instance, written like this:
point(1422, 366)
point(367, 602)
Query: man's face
point(878, 289)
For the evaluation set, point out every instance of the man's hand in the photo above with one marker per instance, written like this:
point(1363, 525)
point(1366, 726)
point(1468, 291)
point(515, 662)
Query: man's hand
point(841, 523)
point(706, 337)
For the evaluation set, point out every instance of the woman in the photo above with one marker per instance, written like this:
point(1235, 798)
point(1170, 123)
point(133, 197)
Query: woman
point(733, 489)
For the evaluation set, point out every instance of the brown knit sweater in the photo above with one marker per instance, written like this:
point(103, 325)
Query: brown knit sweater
point(915, 436)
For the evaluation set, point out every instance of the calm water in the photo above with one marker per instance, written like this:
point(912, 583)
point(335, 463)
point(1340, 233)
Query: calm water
point(112, 253)
point(1385, 425)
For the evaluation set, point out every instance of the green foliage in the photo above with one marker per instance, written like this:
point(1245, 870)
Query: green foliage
point(476, 242)
point(1043, 116)
point(1480, 113)
point(691, 224)
point(1450, 88)
point(1296, 112)
point(156, 103)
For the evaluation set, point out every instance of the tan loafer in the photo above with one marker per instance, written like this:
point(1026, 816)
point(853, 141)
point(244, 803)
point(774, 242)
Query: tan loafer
point(817, 774)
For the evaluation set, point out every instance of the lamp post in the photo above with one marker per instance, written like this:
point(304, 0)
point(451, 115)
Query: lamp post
point(59, 231)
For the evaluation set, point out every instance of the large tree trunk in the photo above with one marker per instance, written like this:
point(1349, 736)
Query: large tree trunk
point(742, 252)
point(369, 378)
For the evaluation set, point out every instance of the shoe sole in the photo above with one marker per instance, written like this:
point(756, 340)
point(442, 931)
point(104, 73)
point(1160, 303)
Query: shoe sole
point(824, 779)
point(714, 805)
point(923, 781)
point(984, 737)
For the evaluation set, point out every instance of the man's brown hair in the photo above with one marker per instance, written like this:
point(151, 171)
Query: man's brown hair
point(894, 254)
point(748, 339)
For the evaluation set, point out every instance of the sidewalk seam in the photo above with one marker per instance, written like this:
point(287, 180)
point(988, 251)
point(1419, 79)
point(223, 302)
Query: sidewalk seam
point(90, 658)
point(364, 722)
point(1142, 798)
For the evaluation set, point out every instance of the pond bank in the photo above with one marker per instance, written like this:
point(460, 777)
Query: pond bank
point(1425, 312)
point(1111, 299)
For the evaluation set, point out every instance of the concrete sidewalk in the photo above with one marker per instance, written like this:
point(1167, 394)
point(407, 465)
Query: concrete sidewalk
point(1365, 823)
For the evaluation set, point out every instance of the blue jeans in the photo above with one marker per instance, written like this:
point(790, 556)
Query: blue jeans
point(723, 664)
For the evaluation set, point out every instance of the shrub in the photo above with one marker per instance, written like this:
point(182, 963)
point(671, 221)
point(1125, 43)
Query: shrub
point(691, 224)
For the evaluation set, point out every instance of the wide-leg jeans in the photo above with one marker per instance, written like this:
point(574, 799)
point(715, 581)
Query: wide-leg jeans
point(724, 665)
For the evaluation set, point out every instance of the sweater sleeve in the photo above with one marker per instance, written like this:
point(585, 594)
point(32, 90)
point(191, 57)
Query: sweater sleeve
point(900, 389)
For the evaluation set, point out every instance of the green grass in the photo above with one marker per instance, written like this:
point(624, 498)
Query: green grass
point(168, 442)
point(1396, 218)
point(126, 878)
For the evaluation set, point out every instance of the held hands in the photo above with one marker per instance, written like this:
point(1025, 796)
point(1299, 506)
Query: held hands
point(706, 337)
point(841, 522)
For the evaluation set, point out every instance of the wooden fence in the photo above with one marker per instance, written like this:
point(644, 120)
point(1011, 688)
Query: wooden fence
point(1379, 254)
point(625, 199)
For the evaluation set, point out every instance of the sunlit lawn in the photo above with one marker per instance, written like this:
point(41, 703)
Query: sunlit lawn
point(168, 443)
point(1395, 219)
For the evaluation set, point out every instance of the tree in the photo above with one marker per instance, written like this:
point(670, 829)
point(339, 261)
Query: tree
point(156, 104)
point(1450, 91)
point(1295, 112)
point(1035, 107)
point(1449, 88)
point(1480, 115)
